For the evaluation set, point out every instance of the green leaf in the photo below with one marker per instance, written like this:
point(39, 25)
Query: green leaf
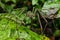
point(2, 5)
point(47, 8)
point(9, 8)
point(27, 20)
point(4, 34)
point(34, 2)
point(57, 33)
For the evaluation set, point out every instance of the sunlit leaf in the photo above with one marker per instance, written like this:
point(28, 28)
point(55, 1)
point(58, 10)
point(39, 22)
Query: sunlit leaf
point(34, 2)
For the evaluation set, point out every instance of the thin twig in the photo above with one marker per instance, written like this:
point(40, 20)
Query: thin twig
point(44, 19)
point(45, 27)
point(22, 10)
point(43, 16)
point(40, 23)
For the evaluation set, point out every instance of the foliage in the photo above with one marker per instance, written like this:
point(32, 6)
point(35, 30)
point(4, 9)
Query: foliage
point(10, 30)
point(20, 18)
